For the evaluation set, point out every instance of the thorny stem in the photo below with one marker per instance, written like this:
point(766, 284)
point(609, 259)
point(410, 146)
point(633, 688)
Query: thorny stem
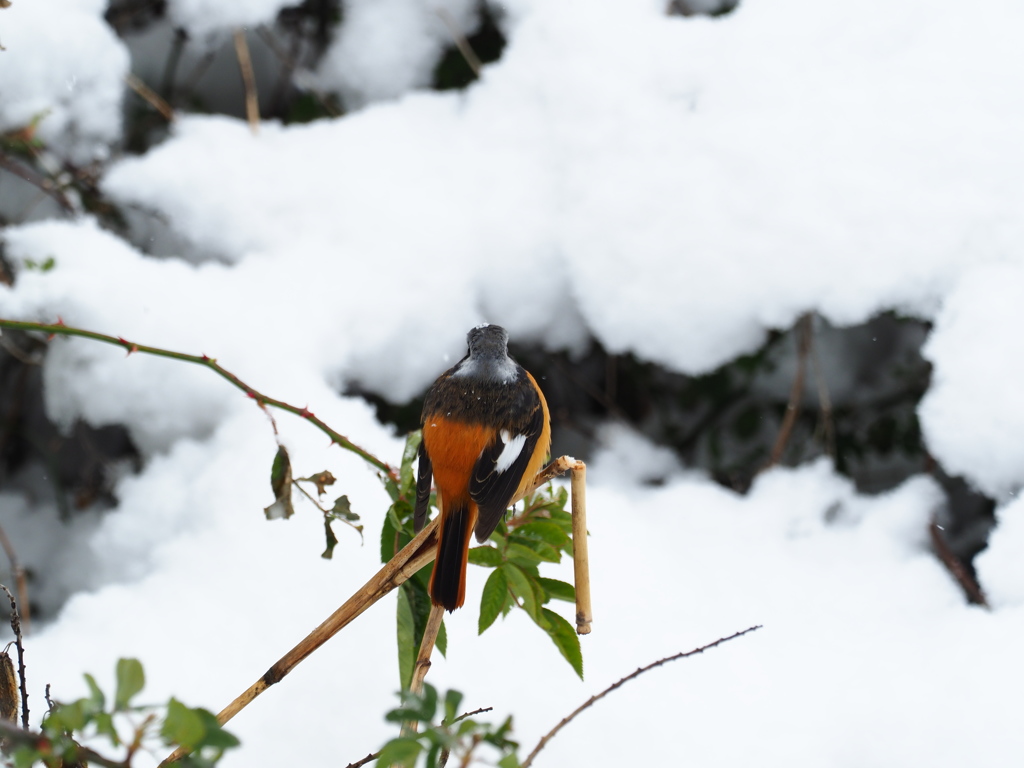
point(60, 329)
point(593, 699)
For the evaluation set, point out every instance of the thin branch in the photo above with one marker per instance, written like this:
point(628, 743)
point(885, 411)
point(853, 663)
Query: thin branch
point(803, 330)
point(364, 761)
point(955, 566)
point(826, 424)
point(252, 105)
point(45, 184)
point(460, 41)
point(20, 581)
point(153, 98)
point(326, 512)
point(464, 715)
point(59, 329)
point(16, 626)
point(594, 699)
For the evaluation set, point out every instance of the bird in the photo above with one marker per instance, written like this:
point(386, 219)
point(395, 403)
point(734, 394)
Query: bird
point(486, 434)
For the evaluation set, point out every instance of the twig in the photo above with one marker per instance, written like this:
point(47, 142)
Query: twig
point(325, 512)
point(364, 761)
point(154, 99)
point(262, 400)
point(594, 699)
point(580, 555)
point(37, 180)
point(464, 715)
point(827, 425)
point(803, 329)
point(19, 579)
point(460, 41)
point(955, 566)
point(16, 626)
point(252, 105)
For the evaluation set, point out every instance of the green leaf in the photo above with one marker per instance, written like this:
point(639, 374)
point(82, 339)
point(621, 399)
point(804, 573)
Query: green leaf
point(509, 761)
point(406, 638)
point(565, 638)
point(68, 717)
point(412, 446)
point(441, 641)
point(182, 726)
point(104, 724)
point(401, 751)
point(493, 598)
point(281, 485)
point(96, 697)
point(541, 549)
point(130, 680)
point(522, 555)
point(486, 555)
point(520, 585)
point(547, 531)
point(559, 590)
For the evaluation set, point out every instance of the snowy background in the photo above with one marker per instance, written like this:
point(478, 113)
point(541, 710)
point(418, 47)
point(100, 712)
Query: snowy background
point(669, 186)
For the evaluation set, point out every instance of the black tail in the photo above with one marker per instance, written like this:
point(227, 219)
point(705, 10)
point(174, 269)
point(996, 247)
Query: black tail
point(448, 582)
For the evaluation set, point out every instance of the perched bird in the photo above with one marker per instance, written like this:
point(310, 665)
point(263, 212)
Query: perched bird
point(486, 433)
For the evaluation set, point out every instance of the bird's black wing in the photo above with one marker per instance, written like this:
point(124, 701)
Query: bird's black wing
point(423, 478)
point(491, 489)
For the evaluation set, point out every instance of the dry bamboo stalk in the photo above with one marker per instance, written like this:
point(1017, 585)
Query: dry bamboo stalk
point(413, 556)
point(580, 555)
point(252, 105)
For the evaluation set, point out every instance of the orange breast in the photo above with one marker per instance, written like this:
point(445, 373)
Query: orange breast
point(454, 447)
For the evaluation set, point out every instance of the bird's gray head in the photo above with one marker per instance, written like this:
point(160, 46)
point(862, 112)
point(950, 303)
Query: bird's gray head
point(487, 342)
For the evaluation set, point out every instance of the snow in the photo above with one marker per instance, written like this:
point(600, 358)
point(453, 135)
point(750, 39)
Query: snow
point(672, 187)
point(65, 65)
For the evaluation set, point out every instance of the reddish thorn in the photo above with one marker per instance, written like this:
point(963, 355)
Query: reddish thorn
point(251, 394)
point(306, 413)
point(60, 322)
point(205, 359)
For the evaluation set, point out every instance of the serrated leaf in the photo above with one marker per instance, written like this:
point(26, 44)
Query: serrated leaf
point(486, 555)
point(558, 590)
point(540, 548)
point(547, 531)
point(401, 751)
point(182, 726)
point(519, 583)
point(130, 680)
point(406, 638)
point(492, 599)
point(281, 485)
point(564, 636)
point(521, 555)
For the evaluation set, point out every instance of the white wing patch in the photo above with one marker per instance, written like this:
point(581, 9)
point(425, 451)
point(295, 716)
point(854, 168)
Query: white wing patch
point(513, 447)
